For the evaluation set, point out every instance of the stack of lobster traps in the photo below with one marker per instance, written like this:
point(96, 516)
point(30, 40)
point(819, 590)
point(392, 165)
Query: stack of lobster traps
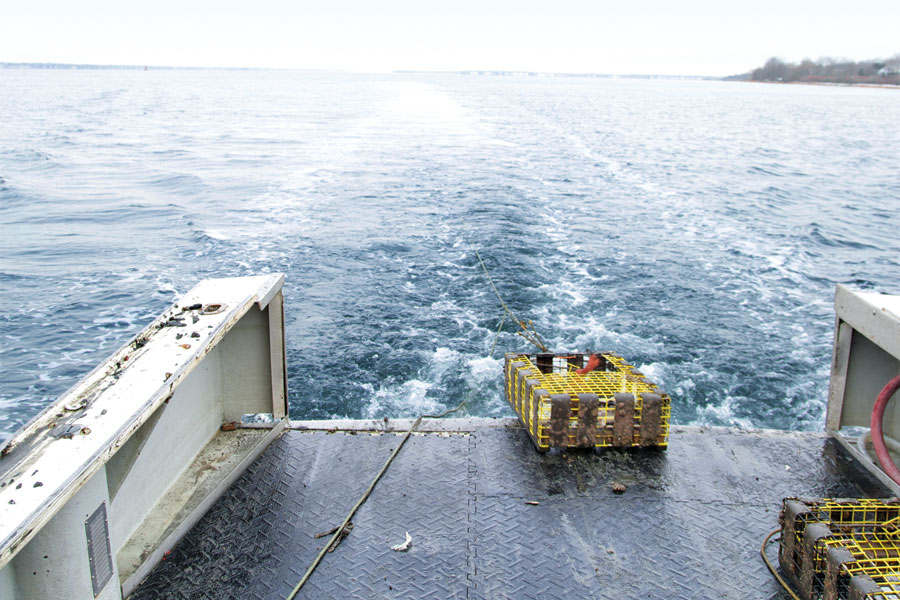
point(841, 549)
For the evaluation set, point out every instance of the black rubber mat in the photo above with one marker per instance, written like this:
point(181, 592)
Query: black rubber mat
point(490, 518)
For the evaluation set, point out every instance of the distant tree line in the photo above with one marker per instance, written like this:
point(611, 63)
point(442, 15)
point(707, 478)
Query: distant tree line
point(829, 70)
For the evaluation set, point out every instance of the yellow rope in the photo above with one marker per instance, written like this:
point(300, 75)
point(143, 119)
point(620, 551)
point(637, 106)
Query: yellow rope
point(762, 552)
point(497, 337)
point(530, 335)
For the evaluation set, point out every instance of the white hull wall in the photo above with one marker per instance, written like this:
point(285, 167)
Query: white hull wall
point(52, 565)
point(188, 421)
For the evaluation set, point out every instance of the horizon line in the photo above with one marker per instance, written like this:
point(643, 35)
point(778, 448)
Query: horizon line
point(469, 71)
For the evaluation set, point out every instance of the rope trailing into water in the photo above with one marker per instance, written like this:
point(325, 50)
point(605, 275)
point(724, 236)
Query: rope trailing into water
point(340, 529)
point(497, 336)
point(762, 552)
point(528, 332)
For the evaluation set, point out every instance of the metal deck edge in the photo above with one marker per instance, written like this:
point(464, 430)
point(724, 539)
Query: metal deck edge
point(403, 425)
point(464, 424)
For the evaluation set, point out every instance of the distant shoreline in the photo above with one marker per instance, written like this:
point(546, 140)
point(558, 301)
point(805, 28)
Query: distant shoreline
point(876, 72)
point(884, 86)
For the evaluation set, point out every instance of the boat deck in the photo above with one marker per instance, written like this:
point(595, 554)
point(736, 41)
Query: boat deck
point(491, 518)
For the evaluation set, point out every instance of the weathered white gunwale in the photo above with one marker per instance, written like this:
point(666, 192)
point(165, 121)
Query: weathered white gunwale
point(40, 471)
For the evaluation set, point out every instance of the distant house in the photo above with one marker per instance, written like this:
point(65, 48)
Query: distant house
point(889, 71)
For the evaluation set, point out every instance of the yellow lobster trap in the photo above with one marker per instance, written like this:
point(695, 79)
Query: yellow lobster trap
point(614, 405)
point(841, 549)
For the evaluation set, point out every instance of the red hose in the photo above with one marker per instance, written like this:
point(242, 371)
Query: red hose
point(887, 463)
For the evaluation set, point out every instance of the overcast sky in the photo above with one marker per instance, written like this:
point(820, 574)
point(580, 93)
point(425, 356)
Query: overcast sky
point(685, 37)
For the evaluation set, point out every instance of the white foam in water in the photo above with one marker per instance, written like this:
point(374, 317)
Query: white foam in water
point(566, 289)
point(499, 142)
point(596, 335)
point(655, 372)
point(417, 108)
point(411, 398)
point(485, 369)
point(408, 399)
point(216, 234)
point(440, 361)
point(449, 309)
point(723, 413)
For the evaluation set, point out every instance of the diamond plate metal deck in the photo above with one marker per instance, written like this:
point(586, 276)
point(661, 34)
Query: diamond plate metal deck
point(689, 524)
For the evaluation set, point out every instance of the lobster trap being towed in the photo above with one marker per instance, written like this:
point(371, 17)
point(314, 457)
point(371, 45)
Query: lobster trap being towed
point(614, 405)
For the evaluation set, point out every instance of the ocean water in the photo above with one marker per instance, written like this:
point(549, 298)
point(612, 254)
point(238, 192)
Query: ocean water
point(696, 227)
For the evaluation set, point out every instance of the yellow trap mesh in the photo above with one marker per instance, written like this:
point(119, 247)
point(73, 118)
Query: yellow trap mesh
point(836, 549)
point(612, 406)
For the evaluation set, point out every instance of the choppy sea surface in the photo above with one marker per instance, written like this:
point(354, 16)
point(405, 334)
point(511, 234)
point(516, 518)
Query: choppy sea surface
point(696, 227)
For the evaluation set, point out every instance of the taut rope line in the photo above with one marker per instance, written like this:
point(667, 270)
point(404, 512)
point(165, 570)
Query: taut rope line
point(528, 332)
